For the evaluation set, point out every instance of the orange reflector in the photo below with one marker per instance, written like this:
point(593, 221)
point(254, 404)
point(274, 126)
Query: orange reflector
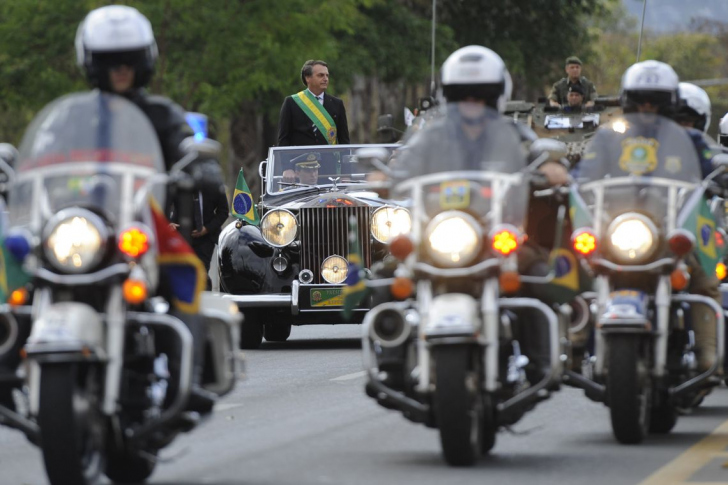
point(401, 247)
point(510, 282)
point(23, 353)
point(721, 271)
point(134, 242)
point(18, 297)
point(679, 279)
point(135, 291)
point(505, 242)
point(585, 242)
point(401, 288)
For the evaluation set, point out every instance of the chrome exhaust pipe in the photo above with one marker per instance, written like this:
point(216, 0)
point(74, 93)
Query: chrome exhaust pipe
point(8, 333)
point(389, 326)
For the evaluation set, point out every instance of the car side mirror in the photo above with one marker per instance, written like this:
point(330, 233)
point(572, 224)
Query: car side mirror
point(556, 149)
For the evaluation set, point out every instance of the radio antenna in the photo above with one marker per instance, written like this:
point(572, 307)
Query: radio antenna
point(432, 66)
point(642, 28)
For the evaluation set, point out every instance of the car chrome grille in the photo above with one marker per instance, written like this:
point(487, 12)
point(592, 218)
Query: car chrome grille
point(324, 232)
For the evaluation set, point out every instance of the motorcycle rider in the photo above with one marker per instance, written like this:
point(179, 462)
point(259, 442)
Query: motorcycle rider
point(116, 48)
point(653, 87)
point(723, 130)
point(474, 79)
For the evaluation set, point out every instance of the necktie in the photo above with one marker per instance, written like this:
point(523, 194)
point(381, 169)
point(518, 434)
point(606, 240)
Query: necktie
point(320, 98)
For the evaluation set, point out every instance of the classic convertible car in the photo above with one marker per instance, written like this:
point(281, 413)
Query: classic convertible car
point(290, 270)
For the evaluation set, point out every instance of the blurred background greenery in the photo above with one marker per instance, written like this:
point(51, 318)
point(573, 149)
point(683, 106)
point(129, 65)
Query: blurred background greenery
point(236, 60)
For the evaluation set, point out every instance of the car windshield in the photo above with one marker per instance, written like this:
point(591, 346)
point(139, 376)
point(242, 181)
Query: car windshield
point(300, 168)
point(92, 150)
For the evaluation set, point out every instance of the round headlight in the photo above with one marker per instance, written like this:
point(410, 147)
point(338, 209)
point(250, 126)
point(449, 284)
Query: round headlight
point(632, 238)
point(454, 238)
point(390, 222)
point(75, 240)
point(279, 228)
point(334, 269)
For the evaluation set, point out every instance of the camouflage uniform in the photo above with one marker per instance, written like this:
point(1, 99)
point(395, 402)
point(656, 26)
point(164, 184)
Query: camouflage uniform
point(560, 90)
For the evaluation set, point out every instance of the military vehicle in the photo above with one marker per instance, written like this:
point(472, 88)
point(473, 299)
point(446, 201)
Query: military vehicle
point(573, 127)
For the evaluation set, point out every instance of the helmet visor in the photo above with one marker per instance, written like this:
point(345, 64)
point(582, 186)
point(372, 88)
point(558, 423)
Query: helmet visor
point(655, 98)
point(110, 60)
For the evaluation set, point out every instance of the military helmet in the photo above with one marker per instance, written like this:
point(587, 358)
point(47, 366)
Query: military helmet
point(476, 72)
point(694, 106)
point(651, 82)
point(112, 36)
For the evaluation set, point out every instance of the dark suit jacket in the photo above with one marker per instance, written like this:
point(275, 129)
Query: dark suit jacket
point(215, 211)
point(295, 128)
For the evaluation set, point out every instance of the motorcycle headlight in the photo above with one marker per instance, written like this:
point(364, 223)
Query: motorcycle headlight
point(390, 222)
point(334, 269)
point(632, 238)
point(75, 240)
point(454, 238)
point(279, 227)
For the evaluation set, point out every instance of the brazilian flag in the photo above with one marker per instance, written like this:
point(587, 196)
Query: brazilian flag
point(243, 207)
point(356, 289)
point(12, 274)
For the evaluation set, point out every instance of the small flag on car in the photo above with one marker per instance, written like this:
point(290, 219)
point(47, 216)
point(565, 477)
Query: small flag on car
point(243, 207)
point(356, 289)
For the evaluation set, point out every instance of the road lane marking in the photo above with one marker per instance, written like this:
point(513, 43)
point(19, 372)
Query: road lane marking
point(691, 461)
point(348, 377)
point(226, 406)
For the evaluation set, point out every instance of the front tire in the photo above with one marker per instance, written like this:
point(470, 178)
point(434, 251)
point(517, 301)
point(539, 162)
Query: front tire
point(458, 406)
point(277, 331)
point(72, 428)
point(251, 335)
point(628, 390)
point(125, 466)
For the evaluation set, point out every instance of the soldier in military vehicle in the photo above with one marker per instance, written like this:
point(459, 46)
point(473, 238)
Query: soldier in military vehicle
point(575, 99)
point(560, 91)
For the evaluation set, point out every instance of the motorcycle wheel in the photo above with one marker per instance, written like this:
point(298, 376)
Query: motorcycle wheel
point(277, 331)
point(663, 418)
point(457, 405)
point(628, 390)
point(125, 466)
point(71, 427)
point(251, 335)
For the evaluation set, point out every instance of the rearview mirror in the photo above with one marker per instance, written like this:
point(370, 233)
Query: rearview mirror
point(555, 148)
point(375, 157)
point(720, 161)
point(204, 147)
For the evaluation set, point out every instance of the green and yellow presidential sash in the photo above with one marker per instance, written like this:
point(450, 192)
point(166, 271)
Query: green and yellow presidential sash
point(317, 113)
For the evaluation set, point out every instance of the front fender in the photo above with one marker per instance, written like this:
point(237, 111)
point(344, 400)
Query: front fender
point(67, 327)
point(245, 263)
point(453, 315)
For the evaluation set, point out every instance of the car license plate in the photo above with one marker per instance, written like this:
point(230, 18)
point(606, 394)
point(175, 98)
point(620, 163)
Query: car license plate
point(321, 297)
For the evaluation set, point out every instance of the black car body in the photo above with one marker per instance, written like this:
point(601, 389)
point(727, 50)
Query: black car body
point(278, 278)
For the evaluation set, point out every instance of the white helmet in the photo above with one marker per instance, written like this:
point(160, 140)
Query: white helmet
point(114, 35)
point(476, 72)
point(695, 106)
point(651, 82)
point(723, 130)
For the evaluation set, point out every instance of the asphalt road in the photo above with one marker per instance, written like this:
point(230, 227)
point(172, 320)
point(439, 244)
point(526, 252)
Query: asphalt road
point(301, 417)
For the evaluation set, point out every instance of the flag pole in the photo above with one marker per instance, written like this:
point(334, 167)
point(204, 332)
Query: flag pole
point(642, 28)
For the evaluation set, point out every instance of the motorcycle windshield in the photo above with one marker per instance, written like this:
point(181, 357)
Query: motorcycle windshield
point(641, 163)
point(469, 160)
point(92, 150)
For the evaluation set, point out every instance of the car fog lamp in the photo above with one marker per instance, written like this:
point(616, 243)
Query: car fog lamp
point(280, 264)
point(279, 228)
point(389, 222)
point(632, 238)
point(75, 241)
point(454, 238)
point(334, 269)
